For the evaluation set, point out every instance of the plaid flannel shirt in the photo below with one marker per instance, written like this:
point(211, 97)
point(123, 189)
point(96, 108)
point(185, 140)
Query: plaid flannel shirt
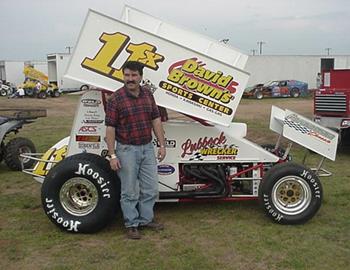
point(132, 116)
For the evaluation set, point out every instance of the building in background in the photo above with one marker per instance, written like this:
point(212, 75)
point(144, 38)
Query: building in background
point(264, 68)
point(12, 71)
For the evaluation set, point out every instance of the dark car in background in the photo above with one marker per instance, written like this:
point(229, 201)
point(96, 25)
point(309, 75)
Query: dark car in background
point(285, 88)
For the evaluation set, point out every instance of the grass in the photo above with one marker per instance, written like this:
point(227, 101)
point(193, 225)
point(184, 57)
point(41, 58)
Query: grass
point(197, 236)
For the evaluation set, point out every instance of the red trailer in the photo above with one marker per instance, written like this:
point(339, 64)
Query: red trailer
point(332, 102)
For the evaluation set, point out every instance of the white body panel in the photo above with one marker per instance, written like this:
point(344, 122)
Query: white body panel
point(211, 89)
point(199, 144)
point(304, 132)
point(194, 41)
point(88, 130)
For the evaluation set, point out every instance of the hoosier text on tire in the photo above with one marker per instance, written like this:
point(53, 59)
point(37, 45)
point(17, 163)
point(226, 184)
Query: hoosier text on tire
point(290, 193)
point(81, 193)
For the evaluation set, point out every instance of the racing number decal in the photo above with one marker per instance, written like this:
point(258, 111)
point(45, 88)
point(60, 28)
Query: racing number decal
point(113, 45)
point(52, 155)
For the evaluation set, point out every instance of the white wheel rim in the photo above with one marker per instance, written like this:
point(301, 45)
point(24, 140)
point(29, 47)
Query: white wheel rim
point(78, 196)
point(291, 195)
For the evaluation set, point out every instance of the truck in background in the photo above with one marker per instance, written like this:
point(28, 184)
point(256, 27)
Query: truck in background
point(332, 102)
point(57, 65)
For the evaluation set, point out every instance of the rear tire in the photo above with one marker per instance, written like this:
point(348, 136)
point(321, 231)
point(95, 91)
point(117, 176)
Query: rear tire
point(290, 193)
point(56, 93)
point(84, 87)
point(2, 151)
point(42, 94)
point(295, 93)
point(3, 92)
point(29, 92)
point(81, 193)
point(259, 95)
point(14, 148)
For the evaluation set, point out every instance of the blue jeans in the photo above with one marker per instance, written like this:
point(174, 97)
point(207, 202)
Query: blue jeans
point(139, 182)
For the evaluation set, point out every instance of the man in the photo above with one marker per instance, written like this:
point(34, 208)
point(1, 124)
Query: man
point(131, 115)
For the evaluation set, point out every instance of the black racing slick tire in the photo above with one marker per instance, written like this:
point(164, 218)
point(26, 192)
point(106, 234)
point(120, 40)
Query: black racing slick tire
point(295, 93)
point(14, 148)
point(3, 92)
point(56, 93)
point(259, 94)
point(290, 193)
point(84, 87)
point(81, 193)
point(42, 95)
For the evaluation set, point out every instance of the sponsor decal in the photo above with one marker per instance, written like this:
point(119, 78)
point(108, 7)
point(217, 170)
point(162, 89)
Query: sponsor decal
point(168, 143)
point(165, 169)
point(88, 129)
point(192, 82)
point(209, 147)
point(90, 121)
point(194, 99)
point(89, 102)
point(189, 147)
point(113, 46)
point(304, 127)
point(87, 138)
point(90, 146)
point(104, 152)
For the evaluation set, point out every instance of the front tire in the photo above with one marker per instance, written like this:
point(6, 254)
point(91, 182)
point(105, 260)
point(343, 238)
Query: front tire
point(42, 94)
point(290, 193)
point(295, 93)
point(14, 148)
point(259, 95)
point(3, 92)
point(81, 193)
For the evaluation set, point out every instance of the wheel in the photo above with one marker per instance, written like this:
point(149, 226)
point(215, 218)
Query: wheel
point(3, 92)
point(290, 193)
point(14, 148)
point(55, 93)
point(29, 91)
point(259, 95)
point(2, 151)
point(295, 93)
point(84, 87)
point(42, 94)
point(81, 193)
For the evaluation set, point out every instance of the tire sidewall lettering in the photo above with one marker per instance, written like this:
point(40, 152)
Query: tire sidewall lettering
point(100, 182)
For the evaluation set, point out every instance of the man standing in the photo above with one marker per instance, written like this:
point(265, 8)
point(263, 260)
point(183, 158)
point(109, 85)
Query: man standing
point(131, 115)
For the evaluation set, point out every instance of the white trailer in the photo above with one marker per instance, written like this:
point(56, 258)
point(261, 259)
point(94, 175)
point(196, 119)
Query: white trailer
point(209, 160)
point(57, 64)
point(12, 71)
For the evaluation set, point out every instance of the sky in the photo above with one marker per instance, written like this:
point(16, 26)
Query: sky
point(31, 29)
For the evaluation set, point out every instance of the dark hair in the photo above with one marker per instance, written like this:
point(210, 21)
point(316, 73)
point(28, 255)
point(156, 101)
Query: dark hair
point(134, 66)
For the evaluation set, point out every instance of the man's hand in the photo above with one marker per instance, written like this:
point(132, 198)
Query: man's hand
point(115, 164)
point(161, 153)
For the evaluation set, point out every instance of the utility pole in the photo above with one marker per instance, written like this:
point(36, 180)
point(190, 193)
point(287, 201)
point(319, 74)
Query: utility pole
point(69, 48)
point(260, 44)
point(254, 51)
point(328, 49)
